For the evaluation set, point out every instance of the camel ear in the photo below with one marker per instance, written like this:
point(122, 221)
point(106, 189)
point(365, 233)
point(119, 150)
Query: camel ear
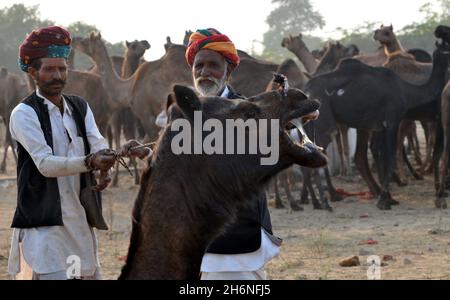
point(391, 27)
point(92, 36)
point(3, 72)
point(127, 44)
point(99, 36)
point(187, 100)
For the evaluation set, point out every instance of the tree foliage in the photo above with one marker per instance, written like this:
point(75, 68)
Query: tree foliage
point(18, 20)
point(289, 17)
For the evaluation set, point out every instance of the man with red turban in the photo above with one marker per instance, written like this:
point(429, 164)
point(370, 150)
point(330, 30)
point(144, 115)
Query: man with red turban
point(248, 244)
point(58, 146)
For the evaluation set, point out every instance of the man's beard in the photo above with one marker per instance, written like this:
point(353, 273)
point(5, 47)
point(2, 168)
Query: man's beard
point(213, 87)
point(51, 88)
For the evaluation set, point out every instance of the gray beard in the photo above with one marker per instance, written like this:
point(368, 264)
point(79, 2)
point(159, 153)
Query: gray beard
point(211, 90)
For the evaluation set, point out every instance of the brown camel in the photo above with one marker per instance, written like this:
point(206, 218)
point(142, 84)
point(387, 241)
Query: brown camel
point(296, 45)
point(124, 118)
point(13, 88)
point(175, 218)
point(443, 32)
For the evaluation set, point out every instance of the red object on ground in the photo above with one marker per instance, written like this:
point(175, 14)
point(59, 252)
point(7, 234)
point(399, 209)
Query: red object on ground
point(122, 258)
point(361, 195)
point(368, 242)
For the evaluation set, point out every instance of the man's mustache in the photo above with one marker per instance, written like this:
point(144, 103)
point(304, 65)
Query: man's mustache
point(210, 78)
point(55, 81)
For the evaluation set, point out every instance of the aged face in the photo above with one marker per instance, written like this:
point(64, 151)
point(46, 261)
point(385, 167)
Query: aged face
point(51, 76)
point(210, 71)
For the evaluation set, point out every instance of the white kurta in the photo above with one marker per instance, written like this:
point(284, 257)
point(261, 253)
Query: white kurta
point(46, 249)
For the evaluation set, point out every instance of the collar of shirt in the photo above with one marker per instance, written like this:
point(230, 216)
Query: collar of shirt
point(225, 92)
point(52, 106)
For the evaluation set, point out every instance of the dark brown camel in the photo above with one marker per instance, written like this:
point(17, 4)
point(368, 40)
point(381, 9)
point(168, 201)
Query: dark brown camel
point(443, 32)
point(176, 217)
point(372, 99)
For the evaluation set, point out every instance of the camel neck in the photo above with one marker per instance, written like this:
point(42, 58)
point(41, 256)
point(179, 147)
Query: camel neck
point(393, 47)
point(306, 58)
point(130, 65)
point(430, 91)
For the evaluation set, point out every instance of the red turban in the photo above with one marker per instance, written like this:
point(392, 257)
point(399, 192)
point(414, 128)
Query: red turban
point(51, 41)
point(211, 39)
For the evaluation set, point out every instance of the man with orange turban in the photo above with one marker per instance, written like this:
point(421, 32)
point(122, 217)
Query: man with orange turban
point(248, 244)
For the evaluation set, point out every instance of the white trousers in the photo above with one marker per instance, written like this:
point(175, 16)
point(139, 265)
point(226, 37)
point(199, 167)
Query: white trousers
point(252, 275)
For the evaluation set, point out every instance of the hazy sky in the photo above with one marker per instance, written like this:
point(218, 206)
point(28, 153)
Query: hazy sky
point(242, 20)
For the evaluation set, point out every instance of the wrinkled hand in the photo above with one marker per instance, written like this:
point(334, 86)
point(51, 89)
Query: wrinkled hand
point(102, 160)
point(103, 181)
point(127, 151)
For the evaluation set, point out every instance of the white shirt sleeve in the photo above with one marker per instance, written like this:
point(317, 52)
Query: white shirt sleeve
point(96, 141)
point(161, 120)
point(26, 129)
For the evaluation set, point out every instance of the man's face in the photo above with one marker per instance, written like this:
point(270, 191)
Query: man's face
point(211, 72)
point(51, 76)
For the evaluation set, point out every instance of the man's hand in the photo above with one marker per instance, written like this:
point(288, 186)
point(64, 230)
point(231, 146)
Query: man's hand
point(102, 160)
point(128, 151)
point(103, 181)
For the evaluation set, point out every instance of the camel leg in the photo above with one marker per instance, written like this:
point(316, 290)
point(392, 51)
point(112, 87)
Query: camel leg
point(346, 148)
point(416, 175)
point(306, 181)
point(323, 198)
point(278, 202)
point(443, 139)
point(399, 174)
point(5, 154)
point(362, 164)
point(116, 126)
point(341, 151)
point(285, 184)
point(431, 142)
point(334, 195)
point(414, 139)
point(388, 161)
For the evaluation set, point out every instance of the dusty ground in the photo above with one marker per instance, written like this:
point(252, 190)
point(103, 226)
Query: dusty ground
point(414, 233)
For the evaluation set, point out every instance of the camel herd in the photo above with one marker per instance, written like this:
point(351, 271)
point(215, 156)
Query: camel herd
point(380, 94)
point(127, 93)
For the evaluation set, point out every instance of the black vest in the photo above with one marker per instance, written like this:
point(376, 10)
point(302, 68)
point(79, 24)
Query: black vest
point(244, 235)
point(38, 199)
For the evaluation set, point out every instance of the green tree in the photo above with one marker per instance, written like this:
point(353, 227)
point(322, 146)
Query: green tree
point(418, 34)
point(16, 22)
point(289, 17)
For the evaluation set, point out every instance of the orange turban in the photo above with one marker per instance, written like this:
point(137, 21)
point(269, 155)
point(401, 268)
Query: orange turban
point(213, 40)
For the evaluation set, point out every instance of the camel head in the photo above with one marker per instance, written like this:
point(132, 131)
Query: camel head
point(269, 108)
point(333, 54)
point(137, 48)
point(90, 45)
point(187, 35)
point(385, 35)
point(168, 43)
point(443, 32)
point(293, 43)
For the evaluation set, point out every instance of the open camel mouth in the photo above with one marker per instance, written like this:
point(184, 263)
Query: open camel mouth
point(296, 134)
